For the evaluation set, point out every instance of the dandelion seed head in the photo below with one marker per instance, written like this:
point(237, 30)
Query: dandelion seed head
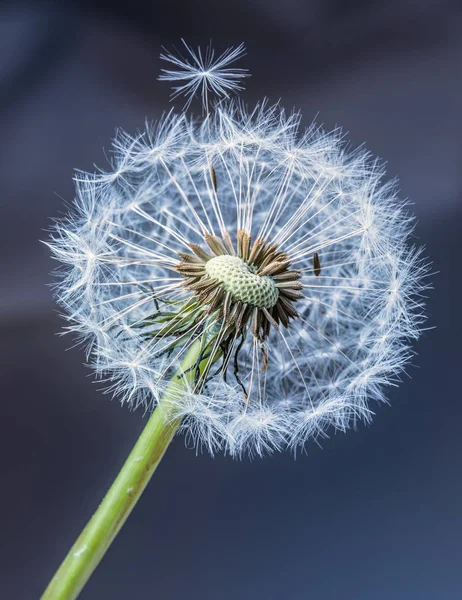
point(286, 254)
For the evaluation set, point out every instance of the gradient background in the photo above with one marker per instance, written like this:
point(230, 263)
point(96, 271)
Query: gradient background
point(375, 514)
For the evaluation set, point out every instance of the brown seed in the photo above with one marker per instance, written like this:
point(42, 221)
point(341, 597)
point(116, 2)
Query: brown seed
point(240, 316)
point(266, 325)
point(287, 306)
point(244, 316)
point(273, 268)
point(189, 258)
point(227, 242)
point(190, 268)
point(217, 297)
point(215, 244)
point(227, 305)
point(289, 285)
point(190, 281)
point(268, 256)
point(214, 178)
point(316, 264)
point(270, 318)
point(236, 309)
point(200, 252)
point(256, 252)
point(282, 257)
point(284, 318)
point(243, 244)
point(265, 359)
point(291, 294)
point(287, 276)
point(203, 285)
point(255, 323)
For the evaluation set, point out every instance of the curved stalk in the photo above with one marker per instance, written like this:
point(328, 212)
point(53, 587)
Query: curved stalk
point(105, 524)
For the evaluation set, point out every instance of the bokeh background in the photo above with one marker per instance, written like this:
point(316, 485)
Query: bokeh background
point(375, 514)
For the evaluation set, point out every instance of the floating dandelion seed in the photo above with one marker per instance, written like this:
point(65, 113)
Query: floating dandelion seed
point(285, 256)
point(202, 73)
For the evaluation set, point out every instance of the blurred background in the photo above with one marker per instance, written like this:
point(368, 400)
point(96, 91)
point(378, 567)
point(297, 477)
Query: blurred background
point(371, 515)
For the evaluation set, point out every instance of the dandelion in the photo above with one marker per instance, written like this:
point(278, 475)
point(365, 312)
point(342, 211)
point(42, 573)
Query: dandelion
point(204, 73)
point(251, 286)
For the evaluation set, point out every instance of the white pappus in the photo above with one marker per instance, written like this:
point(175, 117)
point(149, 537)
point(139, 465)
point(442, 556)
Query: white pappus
point(285, 254)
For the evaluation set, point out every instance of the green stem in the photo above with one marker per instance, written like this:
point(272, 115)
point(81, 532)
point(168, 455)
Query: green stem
point(105, 524)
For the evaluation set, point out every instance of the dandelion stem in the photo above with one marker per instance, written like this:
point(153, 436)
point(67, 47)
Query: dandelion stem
point(107, 521)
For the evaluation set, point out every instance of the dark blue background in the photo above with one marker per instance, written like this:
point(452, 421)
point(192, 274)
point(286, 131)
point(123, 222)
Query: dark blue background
point(375, 514)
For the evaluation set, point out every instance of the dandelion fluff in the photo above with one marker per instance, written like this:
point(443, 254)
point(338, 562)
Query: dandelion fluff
point(198, 72)
point(282, 251)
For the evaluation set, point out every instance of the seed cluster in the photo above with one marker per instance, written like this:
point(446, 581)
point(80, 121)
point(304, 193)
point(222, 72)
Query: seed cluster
point(250, 284)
